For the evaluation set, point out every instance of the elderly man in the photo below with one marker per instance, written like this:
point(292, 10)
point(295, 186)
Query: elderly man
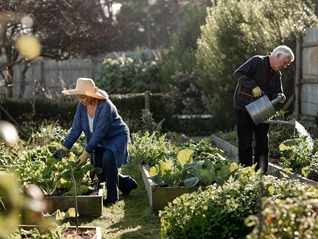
point(258, 75)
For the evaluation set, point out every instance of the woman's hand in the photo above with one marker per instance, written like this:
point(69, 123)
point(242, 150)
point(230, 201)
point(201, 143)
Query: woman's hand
point(59, 153)
point(83, 158)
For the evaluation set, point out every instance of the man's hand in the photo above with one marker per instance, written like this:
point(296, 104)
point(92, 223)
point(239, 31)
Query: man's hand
point(59, 153)
point(83, 158)
point(283, 98)
point(257, 92)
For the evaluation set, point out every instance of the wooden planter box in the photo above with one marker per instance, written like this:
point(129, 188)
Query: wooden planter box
point(96, 230)
point(160, 196)
point(87, 205)
point(273, 169)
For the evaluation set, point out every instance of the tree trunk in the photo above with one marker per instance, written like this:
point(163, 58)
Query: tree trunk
point(9, 82)
point(23, 79)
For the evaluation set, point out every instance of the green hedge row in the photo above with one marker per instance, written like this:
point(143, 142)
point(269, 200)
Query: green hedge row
point(129, 106)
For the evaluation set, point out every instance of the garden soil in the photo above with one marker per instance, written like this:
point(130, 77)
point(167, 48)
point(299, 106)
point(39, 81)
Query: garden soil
point(80, 234)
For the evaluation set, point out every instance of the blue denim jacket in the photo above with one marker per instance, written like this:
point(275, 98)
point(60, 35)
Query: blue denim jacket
point(110, 131)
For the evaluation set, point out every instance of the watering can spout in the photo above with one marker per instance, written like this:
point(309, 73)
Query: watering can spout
point(291, 122)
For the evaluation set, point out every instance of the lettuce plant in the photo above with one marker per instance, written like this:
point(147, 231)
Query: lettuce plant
point(186, 172)
point(55, 174)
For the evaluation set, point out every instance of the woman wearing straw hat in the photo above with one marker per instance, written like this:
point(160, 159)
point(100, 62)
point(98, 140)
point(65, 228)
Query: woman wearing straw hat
point(107, 137)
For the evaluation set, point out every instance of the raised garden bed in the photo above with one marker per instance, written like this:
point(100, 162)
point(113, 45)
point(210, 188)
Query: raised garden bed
point(83, 232)
point(160, 196)
point(273, 169)
point(88, 205)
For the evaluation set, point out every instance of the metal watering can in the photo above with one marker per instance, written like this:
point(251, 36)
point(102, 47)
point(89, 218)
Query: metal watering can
point(262, 109)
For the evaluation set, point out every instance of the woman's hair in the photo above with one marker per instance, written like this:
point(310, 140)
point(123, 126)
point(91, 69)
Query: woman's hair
point(285, 51)
point(89, 97)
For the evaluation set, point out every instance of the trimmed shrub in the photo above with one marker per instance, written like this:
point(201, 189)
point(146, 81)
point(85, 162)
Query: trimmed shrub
point(220, 212)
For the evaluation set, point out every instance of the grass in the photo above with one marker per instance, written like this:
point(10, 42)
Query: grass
point(130, 217)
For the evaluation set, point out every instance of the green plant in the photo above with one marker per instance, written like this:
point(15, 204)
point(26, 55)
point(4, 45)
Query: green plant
point(220, 211)
point(202, 149)
point(256, 27)
point(37, 166)
point(148, 122)
point(291, 217)
point(10, 203)
point(17, 207)
point(54, 174)
point(187, 93)
point(128, 75)
point(279, 132)
point(150, 149)
point(186, 172)
point(299, 153)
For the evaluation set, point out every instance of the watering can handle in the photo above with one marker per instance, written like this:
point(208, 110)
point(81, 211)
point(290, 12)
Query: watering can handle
point(263, 93)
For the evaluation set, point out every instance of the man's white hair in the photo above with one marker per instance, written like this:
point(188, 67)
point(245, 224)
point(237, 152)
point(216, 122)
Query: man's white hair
point(284, 51)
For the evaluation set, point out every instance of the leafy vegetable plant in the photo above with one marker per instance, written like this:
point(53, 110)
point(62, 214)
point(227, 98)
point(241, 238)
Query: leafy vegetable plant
point(55, 174)
point(186, 172)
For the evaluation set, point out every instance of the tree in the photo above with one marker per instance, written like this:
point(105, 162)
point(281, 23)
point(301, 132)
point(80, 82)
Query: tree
point(237, 30)
point(65, 29)
point(179, 63)
point(150, 23)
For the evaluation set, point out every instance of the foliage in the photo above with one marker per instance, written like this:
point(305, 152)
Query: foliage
point(149, 24)
point(179, 62)
point(149, 124)
point(279, 132)
point(37, 166)
point(29, 206)
point(150, 149)
point(229, 136)
point(169, 66)
point(62, 111)
point(220, 211)
point(53, 174)
point(256, 27)
point(202, 149)
point(60, 32)
point(292, 217)
point(204, 126)
point(128, 75)
point(10, 203)
point(186, 172)
point(186, 93)
point(299, 153)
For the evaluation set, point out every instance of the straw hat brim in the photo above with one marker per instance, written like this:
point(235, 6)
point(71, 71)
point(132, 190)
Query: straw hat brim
point(97, 94)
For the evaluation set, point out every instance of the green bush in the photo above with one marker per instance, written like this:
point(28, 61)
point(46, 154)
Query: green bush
point(63, 110)
point(130, 107)
point(179, 62)
point(220, 212)
point(187, 93)
point(129, 75)
point(202, 126)
point(237, 30)
point(292, 217)
point(278, 133)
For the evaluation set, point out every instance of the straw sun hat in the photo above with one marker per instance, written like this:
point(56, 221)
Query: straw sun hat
point(86, 86)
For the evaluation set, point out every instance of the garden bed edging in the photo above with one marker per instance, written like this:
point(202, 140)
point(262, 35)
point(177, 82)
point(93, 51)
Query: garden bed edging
point(98, 233)
point(159, 197)
point(87, 205)
point(273, 169)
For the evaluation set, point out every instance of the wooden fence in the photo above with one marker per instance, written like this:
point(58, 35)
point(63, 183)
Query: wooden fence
point(49, 77)
point(306, 85)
